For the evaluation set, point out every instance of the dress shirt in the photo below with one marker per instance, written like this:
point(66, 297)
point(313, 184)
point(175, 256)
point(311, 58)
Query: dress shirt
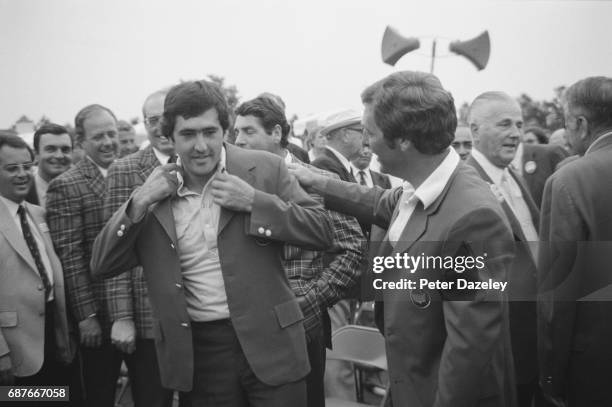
point(426, 193)
point(343, 159)
point(511, 193)
point(196, 217)
point(161, 157)
point(41, 189)
point(366, 175)
point(40, 243)
point(517, 161)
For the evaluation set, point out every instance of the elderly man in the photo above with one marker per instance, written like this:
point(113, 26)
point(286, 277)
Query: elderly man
point(445, 347)
point(34, 339)
point(209, 233)
point(574, 266)
point(53, 149)
point(318, 279)
point(496, 121)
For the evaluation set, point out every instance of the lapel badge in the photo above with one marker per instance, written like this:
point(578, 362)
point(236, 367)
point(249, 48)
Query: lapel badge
point(420, 298)
point(530, 167)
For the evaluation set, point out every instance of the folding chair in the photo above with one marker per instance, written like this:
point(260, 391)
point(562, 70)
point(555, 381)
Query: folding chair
point(364, 347)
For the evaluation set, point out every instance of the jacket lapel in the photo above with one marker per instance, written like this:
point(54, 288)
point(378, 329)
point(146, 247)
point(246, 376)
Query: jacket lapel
point(94, 176)
point(148, 162)
point(240, 167)
point(14, 237)
point(163, 213)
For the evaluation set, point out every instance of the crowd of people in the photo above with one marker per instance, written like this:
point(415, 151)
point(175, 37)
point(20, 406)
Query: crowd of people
point(217, 261)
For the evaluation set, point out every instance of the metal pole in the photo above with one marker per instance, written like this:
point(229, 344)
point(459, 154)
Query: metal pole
point(433, 55)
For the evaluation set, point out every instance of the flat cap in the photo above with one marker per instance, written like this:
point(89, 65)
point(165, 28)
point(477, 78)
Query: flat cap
point(340, 119)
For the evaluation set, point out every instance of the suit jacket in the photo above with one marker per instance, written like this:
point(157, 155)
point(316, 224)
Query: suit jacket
point(574, 264)
point(75, 216)
point(380, 180)
point(124, 176)
point(299, 152)
point(329, 162)
point(521, 286)
point(22, 297)
point(32, 196)
point(455, 350)
point(545, 159)
point(268, 326)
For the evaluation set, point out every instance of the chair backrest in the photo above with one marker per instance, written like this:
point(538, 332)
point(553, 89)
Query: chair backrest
point(359, 344)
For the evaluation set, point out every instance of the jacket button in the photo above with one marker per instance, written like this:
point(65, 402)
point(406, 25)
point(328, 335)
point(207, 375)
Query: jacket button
point(40, 287)
point(185, 325)
point(120, 233)
point(122, 227)
point(178, 285)
point(548, 380)
point(172, 246)
point(261, 230)
point(268, 233)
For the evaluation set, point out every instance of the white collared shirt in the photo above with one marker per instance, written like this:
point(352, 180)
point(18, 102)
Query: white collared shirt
point(40, 243)
point(41, 189)
point(196, 219)
point(517, 161)
point(343, 159)
point(366, 174)
point(427, 193)
point(161, 157)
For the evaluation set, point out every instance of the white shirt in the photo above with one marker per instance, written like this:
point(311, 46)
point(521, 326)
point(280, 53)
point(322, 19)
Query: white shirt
point(104, 171)
point(343, 159)
point(40, 243)
point(427, 193)
point(366, 174)
point(196, 217)
point(161, 157)
point(41, 189)
point(517, 161)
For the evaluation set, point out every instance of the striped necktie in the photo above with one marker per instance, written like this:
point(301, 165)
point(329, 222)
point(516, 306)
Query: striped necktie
point(31, 242)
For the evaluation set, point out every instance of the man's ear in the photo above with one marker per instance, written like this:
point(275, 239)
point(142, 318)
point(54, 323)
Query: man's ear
point(583, 128)
point(475, 134)
point(404, 144)
point(277, 133)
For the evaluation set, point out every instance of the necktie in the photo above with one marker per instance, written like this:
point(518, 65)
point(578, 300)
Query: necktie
point(512, 193)
point(31, 242)
point(362, 179)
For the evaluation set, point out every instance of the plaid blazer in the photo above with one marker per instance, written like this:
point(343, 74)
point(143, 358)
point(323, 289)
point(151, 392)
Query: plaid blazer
point(75, 216)
point(324, 278)
point(124, 176)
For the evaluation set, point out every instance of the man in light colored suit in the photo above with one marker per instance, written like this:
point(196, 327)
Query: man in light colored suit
point(496, 122)
point(574, 307)
point(445, 347)
point(209, 234)
point(34, 339)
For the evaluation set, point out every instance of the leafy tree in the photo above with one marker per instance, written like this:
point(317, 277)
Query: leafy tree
point(231, 92)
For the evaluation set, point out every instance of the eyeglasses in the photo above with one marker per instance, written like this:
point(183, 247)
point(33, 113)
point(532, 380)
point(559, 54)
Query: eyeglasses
point(14, 168)
point(152, 120)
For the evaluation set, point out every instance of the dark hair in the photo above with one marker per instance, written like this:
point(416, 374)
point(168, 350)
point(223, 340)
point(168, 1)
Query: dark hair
point(592, 98)
point(83, 114)
point(191, 99)
point(539, 133)
point(49, 128)
point(414, 106)
point(275, 98)
point(269, 113)
point(15, 142)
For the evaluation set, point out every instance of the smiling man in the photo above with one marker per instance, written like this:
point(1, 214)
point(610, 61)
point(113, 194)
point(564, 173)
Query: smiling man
point(53, 149)
point(209, 233)
point(496, 122)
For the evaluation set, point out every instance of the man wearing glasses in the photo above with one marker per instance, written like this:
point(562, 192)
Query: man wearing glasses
point(34, 341)
point(125, 175)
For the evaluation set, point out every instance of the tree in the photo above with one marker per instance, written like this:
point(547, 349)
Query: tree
point(230, 91)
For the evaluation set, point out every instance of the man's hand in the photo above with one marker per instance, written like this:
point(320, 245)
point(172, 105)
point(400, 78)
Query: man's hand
point(162, 183)
point(306, 177)
point(6, 370)
point(123, 335)
point(233, 193)
point(91, 333)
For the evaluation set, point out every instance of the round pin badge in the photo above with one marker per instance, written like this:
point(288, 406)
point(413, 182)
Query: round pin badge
point(420, 298)
point(530, 167)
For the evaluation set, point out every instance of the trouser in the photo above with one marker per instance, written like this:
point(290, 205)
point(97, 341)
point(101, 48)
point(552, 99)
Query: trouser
point(315, 388)
point(223, 377)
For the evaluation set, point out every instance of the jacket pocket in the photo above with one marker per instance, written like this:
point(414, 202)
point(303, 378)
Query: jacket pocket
point(288, 313)
point(8, 319)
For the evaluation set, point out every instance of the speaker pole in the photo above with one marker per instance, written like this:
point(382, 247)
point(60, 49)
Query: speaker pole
point(433, 55)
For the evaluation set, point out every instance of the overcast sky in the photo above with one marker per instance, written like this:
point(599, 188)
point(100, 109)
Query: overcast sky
point(60, 55)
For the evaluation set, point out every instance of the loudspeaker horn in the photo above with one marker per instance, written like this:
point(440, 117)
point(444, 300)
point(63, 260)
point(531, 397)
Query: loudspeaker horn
point(477, 50)
point(394, 45)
